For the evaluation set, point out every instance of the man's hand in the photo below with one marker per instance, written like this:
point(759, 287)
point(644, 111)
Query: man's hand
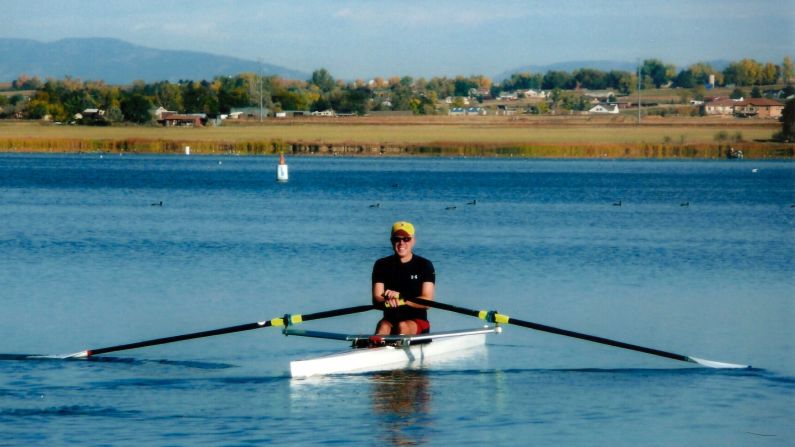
point(392, 299)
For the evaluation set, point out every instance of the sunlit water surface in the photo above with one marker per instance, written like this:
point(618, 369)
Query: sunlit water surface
point(86, 261)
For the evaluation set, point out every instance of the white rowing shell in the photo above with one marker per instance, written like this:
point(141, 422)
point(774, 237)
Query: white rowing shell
point(384, 358)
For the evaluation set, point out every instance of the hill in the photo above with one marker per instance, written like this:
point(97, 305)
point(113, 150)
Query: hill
point(118, 62)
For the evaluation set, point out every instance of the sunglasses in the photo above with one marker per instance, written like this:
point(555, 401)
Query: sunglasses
point(396, 239)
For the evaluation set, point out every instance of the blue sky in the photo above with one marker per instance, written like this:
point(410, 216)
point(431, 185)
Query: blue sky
point(363, 39)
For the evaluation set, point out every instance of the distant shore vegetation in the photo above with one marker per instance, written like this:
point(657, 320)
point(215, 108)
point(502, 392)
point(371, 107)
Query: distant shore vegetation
point(61, 100)
point(403, 115)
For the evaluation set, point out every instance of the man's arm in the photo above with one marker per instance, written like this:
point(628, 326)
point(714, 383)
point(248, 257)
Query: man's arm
point(378, 294)
point(428, 290)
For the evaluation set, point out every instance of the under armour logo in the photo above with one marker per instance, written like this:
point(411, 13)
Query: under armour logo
point(415, 276)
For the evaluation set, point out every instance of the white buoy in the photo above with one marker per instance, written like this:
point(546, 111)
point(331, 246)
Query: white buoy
point(281, 170)
point(187, 150)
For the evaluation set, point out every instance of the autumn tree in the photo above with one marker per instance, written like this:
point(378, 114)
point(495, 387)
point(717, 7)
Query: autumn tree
point(787, 70)
point(744, 72)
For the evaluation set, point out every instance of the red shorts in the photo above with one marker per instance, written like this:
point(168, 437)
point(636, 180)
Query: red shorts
point(423, 326)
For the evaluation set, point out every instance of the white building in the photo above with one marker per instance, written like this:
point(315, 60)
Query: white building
point(604, 108)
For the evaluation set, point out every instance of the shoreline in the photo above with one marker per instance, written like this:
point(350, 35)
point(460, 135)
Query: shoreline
point(686, 152)
point(560, 137)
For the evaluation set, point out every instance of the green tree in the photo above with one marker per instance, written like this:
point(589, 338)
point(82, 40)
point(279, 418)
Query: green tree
point(685, 79)
point(788, 121)
point(323, 80)
point(522, 81)
point(556, 95)
point(401, 97)
point(38, 109)
point(25, 82)
point(557, 79)
point(737, 93)
point(200, 97)
point(114, 114)
point(659, 72)
point(591, 78)
point(168, 96)
point(136, 108)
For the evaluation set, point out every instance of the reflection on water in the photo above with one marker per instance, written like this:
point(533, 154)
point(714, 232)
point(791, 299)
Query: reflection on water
point(401, 401)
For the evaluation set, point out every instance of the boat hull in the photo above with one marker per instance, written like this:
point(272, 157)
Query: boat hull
point(384, 358)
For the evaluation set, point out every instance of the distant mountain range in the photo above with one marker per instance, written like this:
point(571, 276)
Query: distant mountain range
point(118, 62)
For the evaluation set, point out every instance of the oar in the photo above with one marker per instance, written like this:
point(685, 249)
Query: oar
point(494, 317)
point(280, 321)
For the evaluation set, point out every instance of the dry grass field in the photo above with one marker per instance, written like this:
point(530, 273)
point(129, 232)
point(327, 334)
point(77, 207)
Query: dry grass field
point(576, 135)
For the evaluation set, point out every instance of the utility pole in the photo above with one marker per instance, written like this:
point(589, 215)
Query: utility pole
point(260, 89)
point(639, 84)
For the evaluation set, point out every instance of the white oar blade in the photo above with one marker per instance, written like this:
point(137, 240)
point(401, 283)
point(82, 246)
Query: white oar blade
point(76, 355)
point(714, 364)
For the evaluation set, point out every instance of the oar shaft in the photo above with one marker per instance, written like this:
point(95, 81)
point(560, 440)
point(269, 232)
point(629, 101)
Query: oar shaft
point(281, 321)
point(595, 339)
point(176, 338)
point(500, 318)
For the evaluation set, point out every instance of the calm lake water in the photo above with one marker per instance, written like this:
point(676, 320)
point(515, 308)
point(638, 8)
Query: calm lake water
point(86, 262)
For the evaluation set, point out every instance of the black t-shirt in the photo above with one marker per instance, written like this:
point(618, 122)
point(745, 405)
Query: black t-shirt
point(406, 278)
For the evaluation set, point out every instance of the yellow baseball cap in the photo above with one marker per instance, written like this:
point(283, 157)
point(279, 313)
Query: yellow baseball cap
point(404, 227)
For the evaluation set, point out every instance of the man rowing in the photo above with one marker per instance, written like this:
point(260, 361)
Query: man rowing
point(403, 274)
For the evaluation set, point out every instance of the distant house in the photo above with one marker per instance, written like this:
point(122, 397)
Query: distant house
point(450, 100)
point(759, 108)
point(467, 111)
point(723, 106)
point(745, 108)
point(479, 92)
point(90, 114)
point(253, 112)
point(503, 109)
point(604, 108)
point(170, 119)
point(92, 117)
point(530, 93)
point(508, 96)
point(158, 112)
point(327, 113)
